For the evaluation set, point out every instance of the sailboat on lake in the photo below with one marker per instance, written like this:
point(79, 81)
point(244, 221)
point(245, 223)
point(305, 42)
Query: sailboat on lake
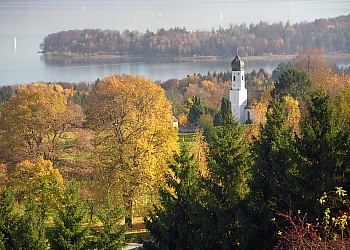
point(15, 42)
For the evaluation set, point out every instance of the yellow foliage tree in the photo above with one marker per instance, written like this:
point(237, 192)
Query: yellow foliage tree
point(200, 150)
point(293, 112)
point(3, 177)
point(259, 109)
point(344, 98)
point(33, 121)
point(38, 179)
point(182, 119)
point(134, 137)
point(209, 92)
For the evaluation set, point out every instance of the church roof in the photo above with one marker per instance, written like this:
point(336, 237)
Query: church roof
point(237, 64)
point(253, 95)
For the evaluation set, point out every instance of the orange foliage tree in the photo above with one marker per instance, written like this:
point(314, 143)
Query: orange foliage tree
point(313, 62)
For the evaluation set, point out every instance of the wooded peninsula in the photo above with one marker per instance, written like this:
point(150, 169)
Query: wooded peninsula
point(331, 35)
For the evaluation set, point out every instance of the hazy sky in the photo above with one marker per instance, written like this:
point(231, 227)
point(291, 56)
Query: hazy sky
point(50, 16)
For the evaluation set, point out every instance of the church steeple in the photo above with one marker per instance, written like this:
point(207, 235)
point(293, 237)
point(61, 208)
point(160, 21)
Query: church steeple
point(237, 66)
point(238, 92)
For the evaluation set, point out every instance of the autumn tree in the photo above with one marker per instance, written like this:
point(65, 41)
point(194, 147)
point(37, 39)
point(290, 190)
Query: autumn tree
point(33, 121)
point(258, 113)
point(200, 149)
point(132, 121)
point(343, 97)
point(38, 179)
point(293, 110)
point(3, 177)
point(313, 62)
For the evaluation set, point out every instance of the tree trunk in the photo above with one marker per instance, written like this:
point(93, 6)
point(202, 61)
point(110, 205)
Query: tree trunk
point(128, 215)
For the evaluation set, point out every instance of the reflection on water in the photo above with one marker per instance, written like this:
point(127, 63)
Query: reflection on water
point(157, 69)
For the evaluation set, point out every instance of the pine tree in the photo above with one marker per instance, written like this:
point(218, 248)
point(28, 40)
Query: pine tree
point(112, 234)
point(196, 110)
point(274, 186)
point(69, 232)
point(31, 227)
point(8, 221)
point(225, 111)
point(227, 185)
point(324, 146)
point(2, 243)
point(173, 224)
point(293, 82)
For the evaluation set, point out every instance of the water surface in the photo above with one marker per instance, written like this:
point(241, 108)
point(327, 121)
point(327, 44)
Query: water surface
point(31, 21)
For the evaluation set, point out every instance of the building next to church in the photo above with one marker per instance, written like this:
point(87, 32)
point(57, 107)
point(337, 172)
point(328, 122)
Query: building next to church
point(241, 98)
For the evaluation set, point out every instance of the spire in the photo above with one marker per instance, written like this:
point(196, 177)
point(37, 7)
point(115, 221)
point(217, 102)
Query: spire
point(237, 64)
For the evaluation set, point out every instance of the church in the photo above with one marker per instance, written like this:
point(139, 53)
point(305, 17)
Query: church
point(241, 99)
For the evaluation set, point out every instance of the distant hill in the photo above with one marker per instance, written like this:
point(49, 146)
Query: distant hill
point(332, 35)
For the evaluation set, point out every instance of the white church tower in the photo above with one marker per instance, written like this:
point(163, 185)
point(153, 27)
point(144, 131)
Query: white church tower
point(238, 92)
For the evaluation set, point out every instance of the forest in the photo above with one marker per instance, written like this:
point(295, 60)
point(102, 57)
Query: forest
point(80, 162)
point(332, 35)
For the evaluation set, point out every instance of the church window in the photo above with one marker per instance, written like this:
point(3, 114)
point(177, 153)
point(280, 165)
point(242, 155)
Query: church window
point(242, 78)
point(234, 78)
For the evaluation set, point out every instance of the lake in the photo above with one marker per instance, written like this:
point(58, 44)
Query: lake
point(31, 21)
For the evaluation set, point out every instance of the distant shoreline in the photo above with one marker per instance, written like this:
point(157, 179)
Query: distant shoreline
point(99, 56)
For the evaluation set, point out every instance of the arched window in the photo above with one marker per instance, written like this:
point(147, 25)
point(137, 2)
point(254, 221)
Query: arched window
point(234, 78)
point(242, 78)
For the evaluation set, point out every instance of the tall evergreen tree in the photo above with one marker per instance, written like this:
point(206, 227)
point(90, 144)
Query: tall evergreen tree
point(274, 185)
point(225, 111)
point(112, 234)
point(69, 232)
point(8, 220)
point(2, 243)
point(324, 147)
point(196, 110)
point(173, 224)
point(227, 184)
point(5, 93)
point(31, 227)
point(293, 82)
